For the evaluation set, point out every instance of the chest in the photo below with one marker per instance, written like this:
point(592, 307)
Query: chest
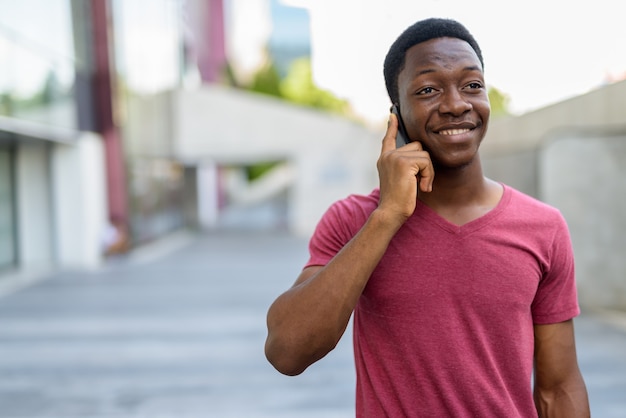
point(424, 274)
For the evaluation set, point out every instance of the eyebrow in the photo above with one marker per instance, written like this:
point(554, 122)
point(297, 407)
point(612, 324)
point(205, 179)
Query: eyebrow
point(430, 70)
point(473, 68)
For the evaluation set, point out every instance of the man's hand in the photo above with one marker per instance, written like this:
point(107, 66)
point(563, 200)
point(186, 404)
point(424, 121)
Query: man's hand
point(399, 171)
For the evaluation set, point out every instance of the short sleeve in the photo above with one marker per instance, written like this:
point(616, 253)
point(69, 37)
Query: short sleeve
point(337, 227)
point(557, 299)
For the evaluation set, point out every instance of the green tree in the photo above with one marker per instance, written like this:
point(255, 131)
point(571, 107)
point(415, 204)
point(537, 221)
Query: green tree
point(256, 171)
point(298, 87)
point(267, 80)
point(499, 102)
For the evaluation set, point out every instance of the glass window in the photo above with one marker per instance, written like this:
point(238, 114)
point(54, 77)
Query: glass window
point(37, 55)
point(7, 230)
point(148, 44)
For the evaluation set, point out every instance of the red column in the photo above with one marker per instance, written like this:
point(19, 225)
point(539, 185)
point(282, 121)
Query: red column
point(210, 41)
point(104, 104)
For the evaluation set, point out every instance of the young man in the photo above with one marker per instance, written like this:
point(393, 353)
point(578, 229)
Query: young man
point(459, 285)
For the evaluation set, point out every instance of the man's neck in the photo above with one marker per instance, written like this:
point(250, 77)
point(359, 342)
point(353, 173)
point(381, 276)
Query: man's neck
point(462, 194)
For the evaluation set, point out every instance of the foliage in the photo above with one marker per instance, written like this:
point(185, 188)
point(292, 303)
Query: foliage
point(258, 170)
point(499, 102)
point(298, 87)
point(266, 81)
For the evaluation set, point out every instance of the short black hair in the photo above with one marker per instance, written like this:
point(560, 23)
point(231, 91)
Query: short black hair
point(422, 31)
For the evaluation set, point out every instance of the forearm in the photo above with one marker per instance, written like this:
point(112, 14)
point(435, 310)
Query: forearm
point(563, 402)
point(307, 321)
point(559, 385)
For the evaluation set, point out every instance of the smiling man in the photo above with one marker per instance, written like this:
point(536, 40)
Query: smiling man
point(461, 287)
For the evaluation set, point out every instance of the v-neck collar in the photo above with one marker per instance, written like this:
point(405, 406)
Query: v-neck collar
point(426, 212)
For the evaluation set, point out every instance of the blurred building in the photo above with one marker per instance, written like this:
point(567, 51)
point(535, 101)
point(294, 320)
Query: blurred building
point(72, 181)
point(113, 122)
point(218, 133)
point(290, 37)
point(257, 31)
point(53, 188)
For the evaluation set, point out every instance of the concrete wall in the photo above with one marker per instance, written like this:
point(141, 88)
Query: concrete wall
point(573, 155)
point(585, 176)
point(515, 167)
point(603, 108)
point(330, 155)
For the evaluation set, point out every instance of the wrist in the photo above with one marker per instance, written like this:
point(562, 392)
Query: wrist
point(386, 221)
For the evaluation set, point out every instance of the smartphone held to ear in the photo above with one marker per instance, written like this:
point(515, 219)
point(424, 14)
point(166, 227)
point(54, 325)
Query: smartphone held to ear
point(401, 138)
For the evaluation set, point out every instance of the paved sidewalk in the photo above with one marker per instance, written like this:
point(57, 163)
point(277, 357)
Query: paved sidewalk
point(177, 331)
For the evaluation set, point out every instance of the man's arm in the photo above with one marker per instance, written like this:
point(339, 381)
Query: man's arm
point(307, 321)
point(559, 387)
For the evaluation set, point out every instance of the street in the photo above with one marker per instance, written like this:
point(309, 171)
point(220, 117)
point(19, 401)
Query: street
point(177, 329)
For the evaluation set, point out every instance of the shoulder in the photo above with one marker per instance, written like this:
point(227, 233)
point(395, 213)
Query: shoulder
point(356, 204)
point(347, 215)
point(341, 221)
point(530, 207)
point(534, 219)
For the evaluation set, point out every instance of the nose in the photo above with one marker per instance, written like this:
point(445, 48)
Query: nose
point(453, 102)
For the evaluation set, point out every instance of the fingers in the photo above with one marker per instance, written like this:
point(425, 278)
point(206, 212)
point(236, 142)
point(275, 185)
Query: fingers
point(420, 161)
point(426, 177)
point(419, 164)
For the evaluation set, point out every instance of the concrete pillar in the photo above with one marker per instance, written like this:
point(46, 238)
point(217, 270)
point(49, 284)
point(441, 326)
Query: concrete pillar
point(79, 202)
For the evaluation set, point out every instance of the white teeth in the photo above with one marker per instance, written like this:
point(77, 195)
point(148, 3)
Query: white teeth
point(454, 131)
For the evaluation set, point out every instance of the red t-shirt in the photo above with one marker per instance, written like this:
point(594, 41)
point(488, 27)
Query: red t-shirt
point(444, 327)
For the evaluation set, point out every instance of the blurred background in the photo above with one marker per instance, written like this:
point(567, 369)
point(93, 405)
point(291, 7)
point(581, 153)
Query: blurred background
point(122, 121)
point(125, 122)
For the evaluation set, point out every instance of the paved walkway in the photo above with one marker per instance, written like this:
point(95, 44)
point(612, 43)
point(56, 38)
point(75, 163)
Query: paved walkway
point(177, 331)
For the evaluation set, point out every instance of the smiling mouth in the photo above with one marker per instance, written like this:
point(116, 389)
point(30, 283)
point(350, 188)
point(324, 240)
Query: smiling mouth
point(449, 132)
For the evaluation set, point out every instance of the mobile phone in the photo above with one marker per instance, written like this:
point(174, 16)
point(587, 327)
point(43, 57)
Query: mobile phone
point(401, 138)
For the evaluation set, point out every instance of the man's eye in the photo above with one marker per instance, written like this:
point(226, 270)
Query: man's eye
point(475, 86)
point(426, 90)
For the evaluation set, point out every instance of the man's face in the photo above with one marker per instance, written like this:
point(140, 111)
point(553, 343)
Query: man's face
point(443, 100)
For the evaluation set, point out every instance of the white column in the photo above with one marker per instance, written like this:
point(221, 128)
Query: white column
point(208, 195)
point(80, 201)
point(34, 206)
